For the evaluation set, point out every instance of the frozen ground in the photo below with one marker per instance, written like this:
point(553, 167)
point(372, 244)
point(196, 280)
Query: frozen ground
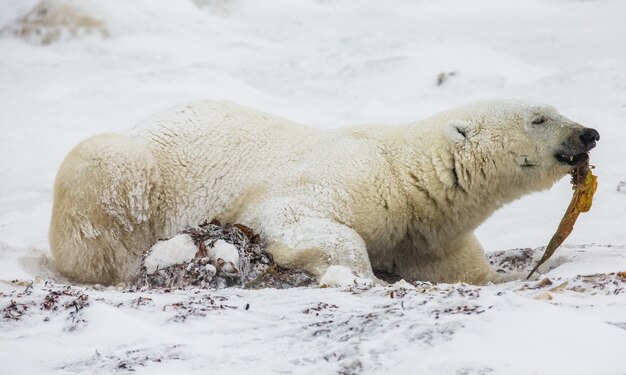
point(327, 63)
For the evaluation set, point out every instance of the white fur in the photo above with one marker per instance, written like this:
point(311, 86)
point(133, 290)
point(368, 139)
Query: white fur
point(404, 198)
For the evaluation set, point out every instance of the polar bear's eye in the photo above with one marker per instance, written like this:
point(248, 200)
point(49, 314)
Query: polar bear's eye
point(539, 120)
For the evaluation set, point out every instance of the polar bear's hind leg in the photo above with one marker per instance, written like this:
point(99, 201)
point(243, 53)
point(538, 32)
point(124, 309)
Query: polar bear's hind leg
point(101, 220)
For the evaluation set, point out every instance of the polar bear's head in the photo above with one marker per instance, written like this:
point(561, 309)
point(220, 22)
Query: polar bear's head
point(516, 143)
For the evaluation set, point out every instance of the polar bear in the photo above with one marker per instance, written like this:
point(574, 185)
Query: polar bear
point(404, 199)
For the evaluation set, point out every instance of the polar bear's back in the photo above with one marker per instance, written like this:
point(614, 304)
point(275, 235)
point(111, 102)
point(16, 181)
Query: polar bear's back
point(214, 155)
point(209, 138)
point(210, 154)
point(215, 123)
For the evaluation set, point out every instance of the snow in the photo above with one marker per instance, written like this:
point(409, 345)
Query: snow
point(339, 276)
point(178, 249)
point(226, 252)
point(326, 63)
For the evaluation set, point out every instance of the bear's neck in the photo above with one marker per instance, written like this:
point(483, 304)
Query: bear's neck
point(448, 194)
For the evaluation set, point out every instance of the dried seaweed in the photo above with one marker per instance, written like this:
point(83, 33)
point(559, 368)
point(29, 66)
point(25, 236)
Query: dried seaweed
point(256, 268)
point(14, 311)
point(584, 184)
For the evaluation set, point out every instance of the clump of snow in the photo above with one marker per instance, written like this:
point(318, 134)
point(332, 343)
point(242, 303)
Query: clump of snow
point(340, 276)
point(222, 252)
point(178, 249)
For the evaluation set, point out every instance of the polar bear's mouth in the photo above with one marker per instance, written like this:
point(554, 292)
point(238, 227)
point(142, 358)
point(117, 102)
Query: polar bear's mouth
point(576, 147)
point(572, 159)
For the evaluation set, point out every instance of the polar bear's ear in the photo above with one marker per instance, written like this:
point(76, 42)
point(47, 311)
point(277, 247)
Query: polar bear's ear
point(457, 131)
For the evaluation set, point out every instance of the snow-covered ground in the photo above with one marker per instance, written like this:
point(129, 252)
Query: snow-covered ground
point(325, 63)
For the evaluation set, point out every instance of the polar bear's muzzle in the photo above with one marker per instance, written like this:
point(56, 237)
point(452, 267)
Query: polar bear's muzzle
point(575, 149)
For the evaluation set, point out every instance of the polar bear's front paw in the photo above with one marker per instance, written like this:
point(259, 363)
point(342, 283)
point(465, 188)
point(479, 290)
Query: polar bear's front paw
point(340, 276)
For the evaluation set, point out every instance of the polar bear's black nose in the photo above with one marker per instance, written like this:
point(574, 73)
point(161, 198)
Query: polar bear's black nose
point(589, 137)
